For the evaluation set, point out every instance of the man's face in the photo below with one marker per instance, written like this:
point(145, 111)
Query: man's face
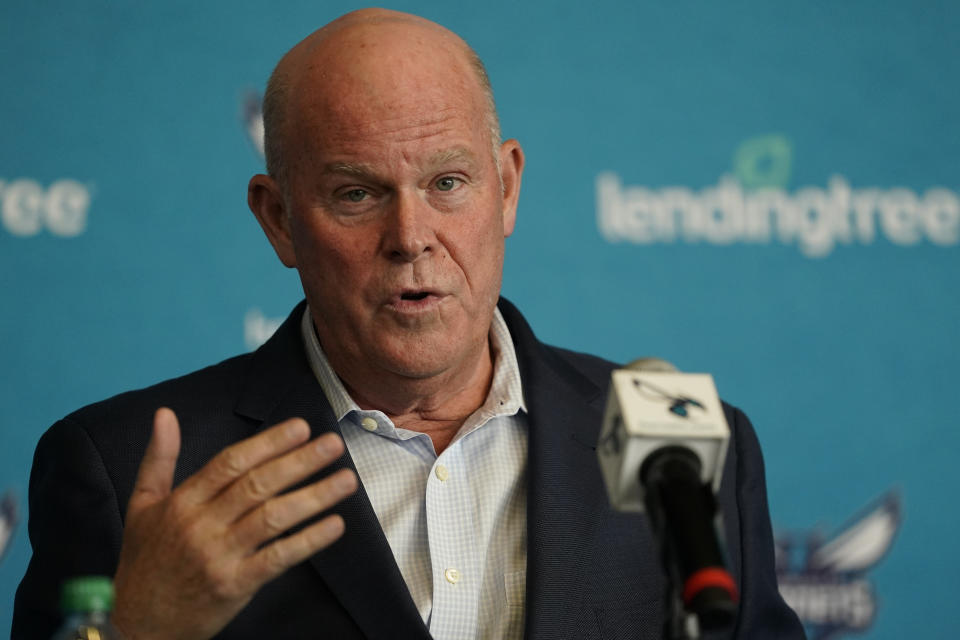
point(396, 214)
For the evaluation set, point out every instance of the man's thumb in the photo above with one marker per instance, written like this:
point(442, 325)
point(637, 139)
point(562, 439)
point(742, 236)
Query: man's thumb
point(155, 477)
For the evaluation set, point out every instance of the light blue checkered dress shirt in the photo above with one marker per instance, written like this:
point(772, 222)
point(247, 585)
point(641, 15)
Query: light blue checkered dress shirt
point(456, 522)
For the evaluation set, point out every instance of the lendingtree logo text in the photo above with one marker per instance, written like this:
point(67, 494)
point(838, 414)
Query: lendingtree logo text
point(752, 206)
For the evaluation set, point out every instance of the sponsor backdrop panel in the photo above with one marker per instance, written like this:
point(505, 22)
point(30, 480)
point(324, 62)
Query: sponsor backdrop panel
point(767, 193)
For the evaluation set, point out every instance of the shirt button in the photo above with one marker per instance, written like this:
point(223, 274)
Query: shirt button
point(452, 576)
point(442, 473)
point(369, 424)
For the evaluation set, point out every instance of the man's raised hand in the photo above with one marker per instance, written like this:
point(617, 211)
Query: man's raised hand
point(193, 556)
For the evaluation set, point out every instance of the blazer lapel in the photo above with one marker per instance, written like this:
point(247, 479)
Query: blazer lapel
point(566, 496)
point(359, 568)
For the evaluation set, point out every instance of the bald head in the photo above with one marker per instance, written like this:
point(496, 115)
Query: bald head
point(366, 51)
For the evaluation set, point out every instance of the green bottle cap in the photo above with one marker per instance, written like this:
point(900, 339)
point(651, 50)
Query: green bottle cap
point(87, 593)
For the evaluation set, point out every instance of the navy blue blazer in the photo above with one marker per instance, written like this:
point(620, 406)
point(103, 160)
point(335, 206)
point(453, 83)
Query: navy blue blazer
point(592, 572)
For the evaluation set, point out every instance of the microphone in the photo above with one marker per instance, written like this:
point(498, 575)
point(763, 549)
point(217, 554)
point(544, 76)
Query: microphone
point(661, 450)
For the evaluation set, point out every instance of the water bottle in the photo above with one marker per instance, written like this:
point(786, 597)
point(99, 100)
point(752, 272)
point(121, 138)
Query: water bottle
point(86, 603)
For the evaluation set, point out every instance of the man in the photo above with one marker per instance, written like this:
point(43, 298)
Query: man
point(480, 511)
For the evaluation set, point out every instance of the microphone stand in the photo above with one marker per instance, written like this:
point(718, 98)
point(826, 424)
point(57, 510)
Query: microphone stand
point(681, 510)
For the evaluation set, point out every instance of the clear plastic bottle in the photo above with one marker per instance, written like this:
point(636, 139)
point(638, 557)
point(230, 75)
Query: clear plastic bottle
point(86, 603)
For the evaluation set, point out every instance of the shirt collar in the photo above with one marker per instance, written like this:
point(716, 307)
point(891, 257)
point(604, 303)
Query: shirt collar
point(506, 391)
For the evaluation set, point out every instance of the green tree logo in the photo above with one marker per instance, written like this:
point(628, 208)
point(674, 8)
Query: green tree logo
point(763, 161)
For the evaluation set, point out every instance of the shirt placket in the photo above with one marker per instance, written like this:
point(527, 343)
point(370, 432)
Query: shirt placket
point(452, 531)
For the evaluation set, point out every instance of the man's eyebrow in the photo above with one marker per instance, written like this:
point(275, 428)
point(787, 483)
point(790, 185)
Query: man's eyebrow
point(453, 154)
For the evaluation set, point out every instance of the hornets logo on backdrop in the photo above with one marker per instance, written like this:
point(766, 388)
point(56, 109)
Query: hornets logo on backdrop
point(253, 120)
point(8, 521)
point(825, 579)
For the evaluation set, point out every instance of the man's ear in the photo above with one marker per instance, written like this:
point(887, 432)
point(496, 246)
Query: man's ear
point(511, 171)
point(265, 199)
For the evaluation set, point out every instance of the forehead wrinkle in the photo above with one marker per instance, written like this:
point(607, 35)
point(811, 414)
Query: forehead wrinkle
point(356, 169)
point(402, 123)
point(438, 158)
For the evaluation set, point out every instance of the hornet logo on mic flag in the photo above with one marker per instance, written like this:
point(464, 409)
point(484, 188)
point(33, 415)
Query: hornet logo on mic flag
point(824, 579)
point(678, 404)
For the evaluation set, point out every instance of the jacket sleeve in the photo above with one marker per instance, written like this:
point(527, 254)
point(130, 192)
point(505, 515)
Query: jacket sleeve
point(74, 527)
point(763, 613)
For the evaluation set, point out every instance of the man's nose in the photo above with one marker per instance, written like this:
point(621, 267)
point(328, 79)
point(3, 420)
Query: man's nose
point(409, 232)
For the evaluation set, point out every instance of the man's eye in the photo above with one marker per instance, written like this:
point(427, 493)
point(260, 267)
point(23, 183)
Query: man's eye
point(446, 184)
point(356, 195)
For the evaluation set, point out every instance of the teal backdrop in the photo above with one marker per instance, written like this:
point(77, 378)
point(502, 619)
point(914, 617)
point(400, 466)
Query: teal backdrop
point(764, 191)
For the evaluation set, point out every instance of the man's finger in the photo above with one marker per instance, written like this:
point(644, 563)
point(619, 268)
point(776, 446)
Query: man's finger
point(278, 515)
point(278, 556)
point(155, 476)
point(236, 460)
point(265, 481)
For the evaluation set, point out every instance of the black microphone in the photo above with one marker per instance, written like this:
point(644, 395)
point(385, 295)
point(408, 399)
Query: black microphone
point(661, 449)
